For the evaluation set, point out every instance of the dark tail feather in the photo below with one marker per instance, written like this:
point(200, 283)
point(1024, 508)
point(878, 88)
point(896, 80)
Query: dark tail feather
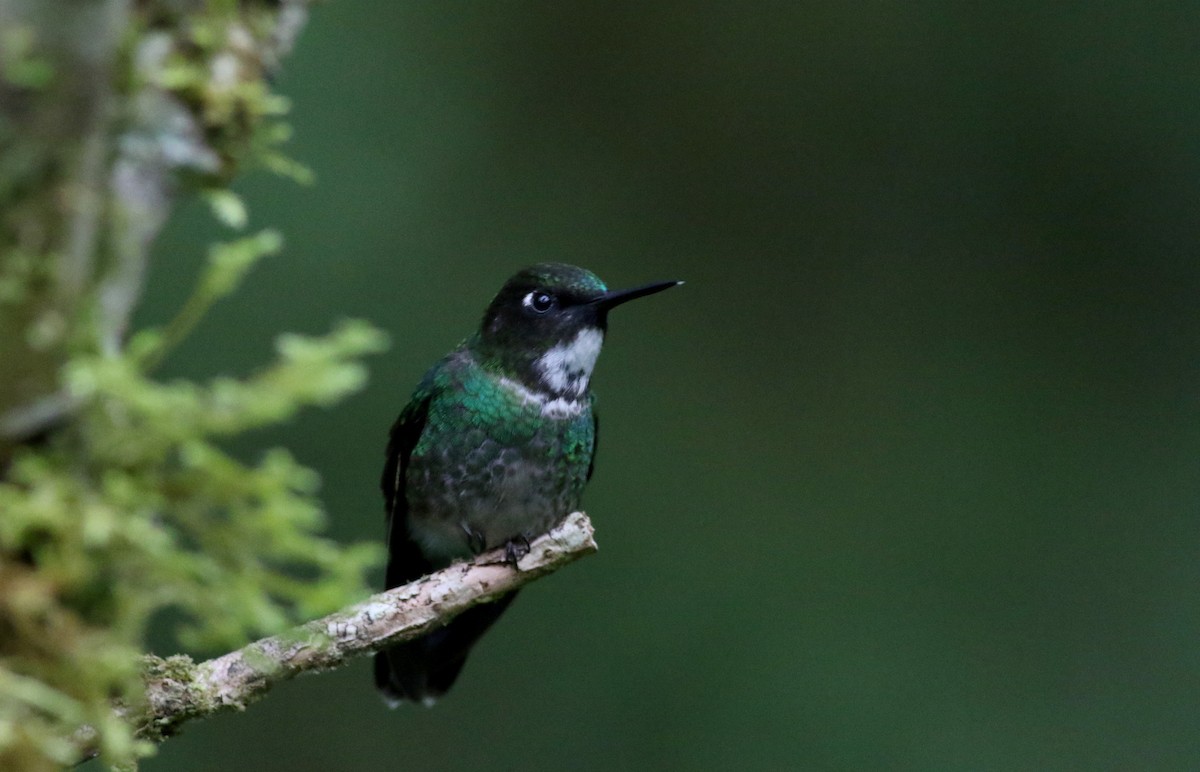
point(424, 669)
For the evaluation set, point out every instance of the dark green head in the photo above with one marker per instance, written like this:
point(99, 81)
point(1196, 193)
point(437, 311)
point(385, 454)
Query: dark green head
point(547, 323)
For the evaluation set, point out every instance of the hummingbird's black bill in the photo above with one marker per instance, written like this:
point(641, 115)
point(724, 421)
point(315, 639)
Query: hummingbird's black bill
point(614, 298)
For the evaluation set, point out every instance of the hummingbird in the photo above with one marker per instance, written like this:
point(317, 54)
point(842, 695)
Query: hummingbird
point(493, 449)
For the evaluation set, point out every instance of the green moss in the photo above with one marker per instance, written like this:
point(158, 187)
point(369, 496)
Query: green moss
point(133, 507)
point(20, 64)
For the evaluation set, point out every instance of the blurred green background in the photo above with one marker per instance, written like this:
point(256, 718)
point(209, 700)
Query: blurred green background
point(906, 477)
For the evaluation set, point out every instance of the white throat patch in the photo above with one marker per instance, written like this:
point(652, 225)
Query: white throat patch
point(567, 367)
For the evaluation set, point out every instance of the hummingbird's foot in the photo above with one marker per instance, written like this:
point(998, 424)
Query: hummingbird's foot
point(516, 548)
point(476, 541)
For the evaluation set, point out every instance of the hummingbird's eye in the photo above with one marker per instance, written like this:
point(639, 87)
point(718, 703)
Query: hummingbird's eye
point(538, 302)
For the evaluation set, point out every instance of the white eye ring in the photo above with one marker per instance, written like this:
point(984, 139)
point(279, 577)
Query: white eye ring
point(538, 302)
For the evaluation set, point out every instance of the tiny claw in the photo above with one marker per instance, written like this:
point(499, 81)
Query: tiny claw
point(476, 541)
point(516, 548)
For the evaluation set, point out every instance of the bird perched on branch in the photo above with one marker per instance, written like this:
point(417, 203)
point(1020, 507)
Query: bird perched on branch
point(494, 448)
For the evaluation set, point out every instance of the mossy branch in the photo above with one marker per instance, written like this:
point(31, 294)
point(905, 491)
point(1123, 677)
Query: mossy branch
point(178, 690)
point(118, 497)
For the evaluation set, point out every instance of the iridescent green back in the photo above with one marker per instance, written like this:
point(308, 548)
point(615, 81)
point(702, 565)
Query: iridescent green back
point(494, 458)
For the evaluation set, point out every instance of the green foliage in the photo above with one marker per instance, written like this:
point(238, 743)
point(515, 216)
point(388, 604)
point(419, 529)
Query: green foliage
point(20, 66)
point(214, 64)
point(136, 508)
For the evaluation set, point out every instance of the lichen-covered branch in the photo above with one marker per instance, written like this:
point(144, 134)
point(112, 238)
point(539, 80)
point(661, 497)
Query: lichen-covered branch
point(117, 498)
point(108, 111)
point(178, 690)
